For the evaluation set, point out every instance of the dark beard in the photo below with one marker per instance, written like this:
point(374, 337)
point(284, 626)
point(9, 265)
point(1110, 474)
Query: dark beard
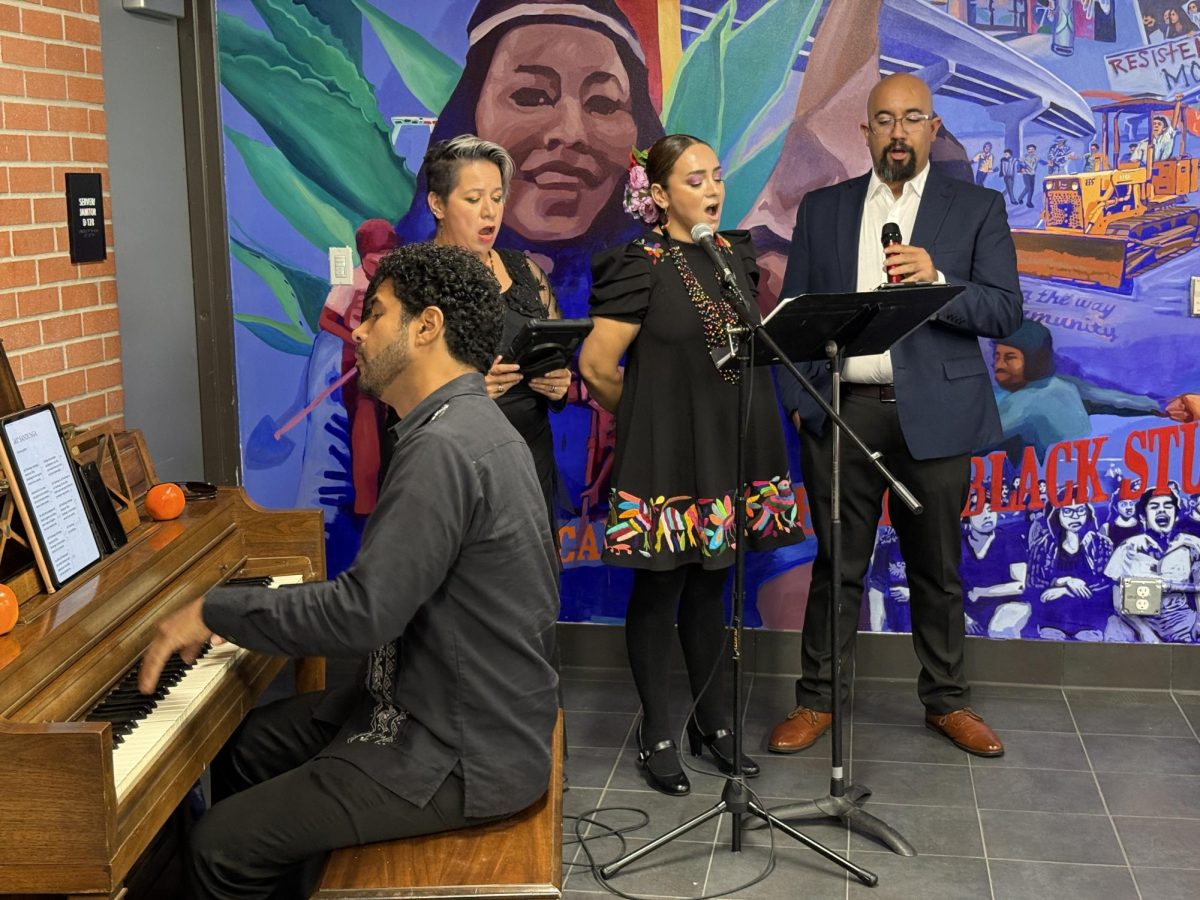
point(891, 172)
point(375, 376)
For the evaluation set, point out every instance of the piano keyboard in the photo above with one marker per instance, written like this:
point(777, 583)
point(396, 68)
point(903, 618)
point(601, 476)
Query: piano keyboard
point(145, 726)
point(151, 732)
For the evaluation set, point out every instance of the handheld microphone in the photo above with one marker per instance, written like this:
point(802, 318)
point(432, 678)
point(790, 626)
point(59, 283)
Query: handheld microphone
point(891, 235)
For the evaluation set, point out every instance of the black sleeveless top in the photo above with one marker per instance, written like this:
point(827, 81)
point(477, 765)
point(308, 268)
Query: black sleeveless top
point(525, 408)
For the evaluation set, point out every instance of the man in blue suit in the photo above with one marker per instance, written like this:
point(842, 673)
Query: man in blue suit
point(927, 404)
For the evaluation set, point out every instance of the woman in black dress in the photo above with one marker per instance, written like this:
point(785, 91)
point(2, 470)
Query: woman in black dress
point(468, 183)
point(657, 302)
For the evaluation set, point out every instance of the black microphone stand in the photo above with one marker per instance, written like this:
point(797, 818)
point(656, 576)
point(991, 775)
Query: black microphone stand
point(736, 797)
point(844, 801)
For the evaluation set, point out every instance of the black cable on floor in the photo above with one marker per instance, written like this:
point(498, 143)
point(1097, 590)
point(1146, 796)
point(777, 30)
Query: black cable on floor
point(609, 831)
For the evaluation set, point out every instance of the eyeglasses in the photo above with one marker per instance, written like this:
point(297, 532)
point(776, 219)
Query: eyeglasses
point(909, 122)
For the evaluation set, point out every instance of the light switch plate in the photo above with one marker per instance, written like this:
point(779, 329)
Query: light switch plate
point(341, 265)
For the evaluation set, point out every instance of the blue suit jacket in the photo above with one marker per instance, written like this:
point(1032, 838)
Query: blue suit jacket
point(943, 391)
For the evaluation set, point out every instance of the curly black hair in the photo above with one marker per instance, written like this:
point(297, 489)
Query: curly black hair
point(456, 282)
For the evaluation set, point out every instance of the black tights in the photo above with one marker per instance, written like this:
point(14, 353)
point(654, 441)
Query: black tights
point(695, 594)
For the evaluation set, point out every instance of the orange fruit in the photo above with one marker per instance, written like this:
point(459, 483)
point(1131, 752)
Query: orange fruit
point(8, 609)
point(165, 501)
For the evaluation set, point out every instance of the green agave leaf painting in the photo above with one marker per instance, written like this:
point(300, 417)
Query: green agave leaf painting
point(430, 74)
point(319, 54)
point(300, 294)
point(319, 218)
point(320, 132)
point(344, 22)
point(284, 337)
point(752, 52)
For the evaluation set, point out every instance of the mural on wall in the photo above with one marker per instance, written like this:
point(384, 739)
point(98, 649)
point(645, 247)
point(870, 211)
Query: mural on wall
point(1082, 113)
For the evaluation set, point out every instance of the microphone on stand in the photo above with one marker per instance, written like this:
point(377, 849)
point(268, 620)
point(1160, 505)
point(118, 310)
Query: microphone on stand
point(891, 235)
point(704, 236)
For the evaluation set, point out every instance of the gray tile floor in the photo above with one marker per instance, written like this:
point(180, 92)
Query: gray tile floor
point(1097, 797)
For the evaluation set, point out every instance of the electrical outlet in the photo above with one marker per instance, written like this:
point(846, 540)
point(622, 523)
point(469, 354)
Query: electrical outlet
point(341, 265)
point(1141, 596)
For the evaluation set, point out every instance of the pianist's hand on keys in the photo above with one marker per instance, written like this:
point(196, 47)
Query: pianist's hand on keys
point(182, 632)
point(185, 632)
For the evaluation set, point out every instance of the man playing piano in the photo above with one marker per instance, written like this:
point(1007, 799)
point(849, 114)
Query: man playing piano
point(451, 597)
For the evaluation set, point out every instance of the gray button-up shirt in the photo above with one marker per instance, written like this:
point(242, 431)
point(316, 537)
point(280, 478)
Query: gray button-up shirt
point(453, 596)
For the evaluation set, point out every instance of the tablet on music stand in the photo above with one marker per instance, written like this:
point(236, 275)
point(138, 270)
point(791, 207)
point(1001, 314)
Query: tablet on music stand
point(543, 345)
point(44, 483)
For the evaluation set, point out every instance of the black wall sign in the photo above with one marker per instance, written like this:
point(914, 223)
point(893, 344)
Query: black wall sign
point(85, 217)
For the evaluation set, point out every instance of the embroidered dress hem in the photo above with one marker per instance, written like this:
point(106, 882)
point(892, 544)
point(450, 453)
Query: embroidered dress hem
point(666, 532)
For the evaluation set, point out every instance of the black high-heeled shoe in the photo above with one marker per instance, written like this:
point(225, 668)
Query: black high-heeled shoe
point(697, 741)
point(673, 783)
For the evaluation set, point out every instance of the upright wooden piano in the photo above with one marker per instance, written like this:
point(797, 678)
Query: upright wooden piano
point(75, 811)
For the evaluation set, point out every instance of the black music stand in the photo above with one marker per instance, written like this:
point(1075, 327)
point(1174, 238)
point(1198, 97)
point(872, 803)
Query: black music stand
point(832, 327)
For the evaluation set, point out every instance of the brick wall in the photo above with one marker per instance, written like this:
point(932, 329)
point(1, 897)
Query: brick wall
point(58, 321)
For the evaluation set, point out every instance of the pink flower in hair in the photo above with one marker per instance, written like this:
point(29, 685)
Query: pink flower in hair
point(638, 202)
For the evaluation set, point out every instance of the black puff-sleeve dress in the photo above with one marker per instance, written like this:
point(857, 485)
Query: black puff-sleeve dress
point(675, 465)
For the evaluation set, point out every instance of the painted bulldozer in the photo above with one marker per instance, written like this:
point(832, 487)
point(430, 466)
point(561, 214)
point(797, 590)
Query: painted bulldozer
point(1102, 228)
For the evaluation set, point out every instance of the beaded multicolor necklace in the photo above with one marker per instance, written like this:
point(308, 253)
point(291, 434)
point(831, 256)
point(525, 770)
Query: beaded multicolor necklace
point(714, 316)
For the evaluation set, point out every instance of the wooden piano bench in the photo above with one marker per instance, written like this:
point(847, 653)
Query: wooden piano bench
point(518, 857)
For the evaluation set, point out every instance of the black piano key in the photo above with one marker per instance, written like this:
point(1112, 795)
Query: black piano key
point(129, 705)
point(114, 718)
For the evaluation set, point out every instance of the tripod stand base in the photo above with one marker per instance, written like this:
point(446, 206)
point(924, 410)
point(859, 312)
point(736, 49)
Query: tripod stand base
point(849, 809)
point(734, 801)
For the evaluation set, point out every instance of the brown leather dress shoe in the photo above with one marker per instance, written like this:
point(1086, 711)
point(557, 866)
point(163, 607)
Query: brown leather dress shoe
point(967, 731)
point(799, 730)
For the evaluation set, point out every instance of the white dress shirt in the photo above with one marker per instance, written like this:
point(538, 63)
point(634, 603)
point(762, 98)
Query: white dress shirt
point(879, 208)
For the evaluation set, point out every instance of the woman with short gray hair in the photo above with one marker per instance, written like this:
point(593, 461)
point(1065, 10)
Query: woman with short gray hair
point(468, 179)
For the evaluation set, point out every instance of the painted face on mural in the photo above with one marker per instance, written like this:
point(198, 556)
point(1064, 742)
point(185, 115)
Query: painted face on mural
point(1009, 366)
point(694, 193)
point(1161, 513)
point(381, 342)
point(470, 215)
point(983, 522)
point(557, 98)
point(900, 153)
point(1127, 509)
point(1073, 517)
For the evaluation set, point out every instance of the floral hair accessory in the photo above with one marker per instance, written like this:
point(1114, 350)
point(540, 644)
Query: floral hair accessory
point(638, 202)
